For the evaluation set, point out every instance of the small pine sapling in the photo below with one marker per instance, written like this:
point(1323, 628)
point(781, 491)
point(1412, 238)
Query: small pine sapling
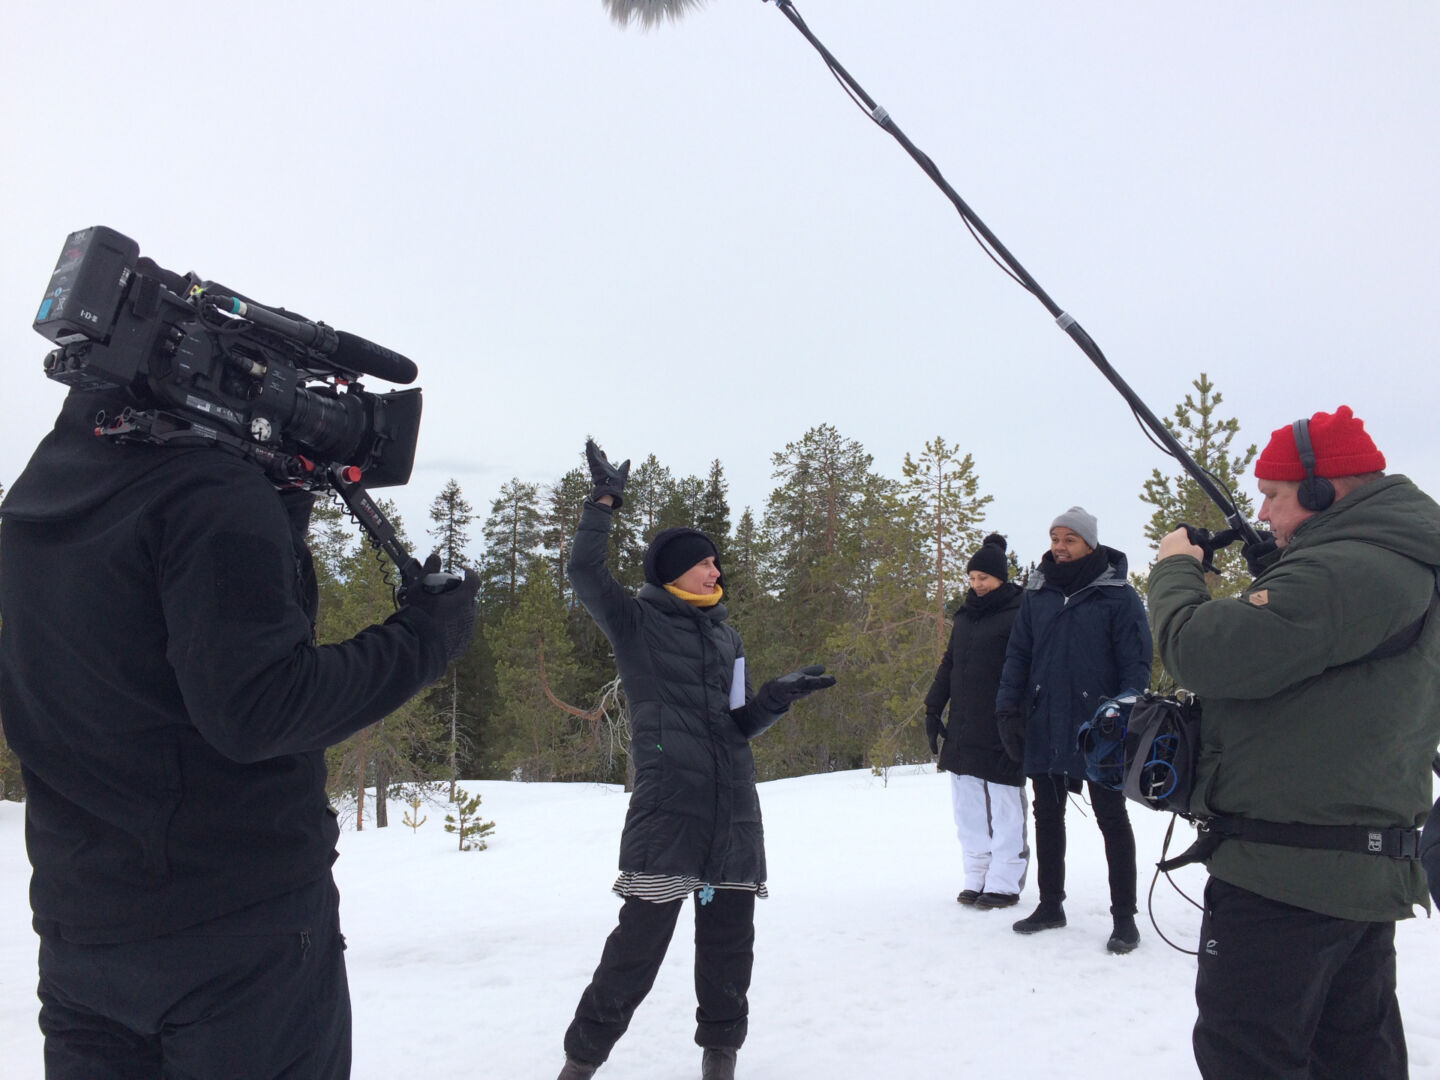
point(466, 824)
point(412, 816)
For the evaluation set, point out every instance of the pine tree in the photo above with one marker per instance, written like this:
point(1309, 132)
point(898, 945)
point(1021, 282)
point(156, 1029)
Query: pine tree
point(413, 817)
point(535, 733)
point(357, 586)
point(470, 831)
point(512, 539)
point(451, 516)
point(1207, 437)
point(562, 504)
point(945, 489)
point(823, 532)
point(823, 478)
point(646, 492)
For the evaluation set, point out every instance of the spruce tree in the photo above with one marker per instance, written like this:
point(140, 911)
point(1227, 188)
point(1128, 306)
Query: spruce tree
point(681, 505)
point(714, 515)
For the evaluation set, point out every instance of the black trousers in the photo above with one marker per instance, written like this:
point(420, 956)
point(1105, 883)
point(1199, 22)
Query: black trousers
point(724, 957)
point(1051, 794)
point(1290, 994)
point(260, 994)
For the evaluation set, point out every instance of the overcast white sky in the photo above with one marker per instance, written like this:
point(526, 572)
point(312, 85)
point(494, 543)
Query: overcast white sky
point(690, 242)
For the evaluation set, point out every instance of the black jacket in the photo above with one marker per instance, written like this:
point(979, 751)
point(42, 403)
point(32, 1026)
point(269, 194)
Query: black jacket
point(694, 811)
point(968, 678)
point(160, 685)
point(1066, 655)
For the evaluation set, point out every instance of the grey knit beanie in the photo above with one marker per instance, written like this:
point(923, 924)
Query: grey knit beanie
point(1081, 522)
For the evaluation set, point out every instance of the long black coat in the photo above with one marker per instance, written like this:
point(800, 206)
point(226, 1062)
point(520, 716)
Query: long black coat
point(968, 678)
point(694, 811)
point(160, 685)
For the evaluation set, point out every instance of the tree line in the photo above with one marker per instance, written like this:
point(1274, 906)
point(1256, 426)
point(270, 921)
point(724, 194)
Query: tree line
point(843, 564)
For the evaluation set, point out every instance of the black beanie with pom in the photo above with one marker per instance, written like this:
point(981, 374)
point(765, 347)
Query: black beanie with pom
point(990, 559)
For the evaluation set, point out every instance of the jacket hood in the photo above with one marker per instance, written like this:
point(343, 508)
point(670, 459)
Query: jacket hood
point(73, 470)
point(1391, 513)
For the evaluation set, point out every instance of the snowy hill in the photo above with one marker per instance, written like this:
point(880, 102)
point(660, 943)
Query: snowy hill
point(470, 963)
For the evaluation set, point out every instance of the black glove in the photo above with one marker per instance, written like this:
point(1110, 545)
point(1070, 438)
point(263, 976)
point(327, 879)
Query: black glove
point(1259, 554)
point(449, 600)
point(933, 730)
point(777, 695)
point(608, 479)
point(1011, 727)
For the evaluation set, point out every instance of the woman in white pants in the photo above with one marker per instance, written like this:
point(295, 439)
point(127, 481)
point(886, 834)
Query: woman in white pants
point(986, 785)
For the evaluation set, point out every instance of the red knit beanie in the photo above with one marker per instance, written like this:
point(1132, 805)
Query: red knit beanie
point(1342, 448)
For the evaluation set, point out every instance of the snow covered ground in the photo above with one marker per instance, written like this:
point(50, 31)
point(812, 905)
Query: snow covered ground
point(469, 964)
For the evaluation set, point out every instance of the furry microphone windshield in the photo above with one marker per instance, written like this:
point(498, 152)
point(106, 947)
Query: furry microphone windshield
point(648, 13)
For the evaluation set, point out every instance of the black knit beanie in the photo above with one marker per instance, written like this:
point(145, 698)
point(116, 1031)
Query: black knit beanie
point(990, 559)
point(673, 551)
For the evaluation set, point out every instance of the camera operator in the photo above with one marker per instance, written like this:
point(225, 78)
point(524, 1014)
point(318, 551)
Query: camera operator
point(1321, 691)
point(160, 684)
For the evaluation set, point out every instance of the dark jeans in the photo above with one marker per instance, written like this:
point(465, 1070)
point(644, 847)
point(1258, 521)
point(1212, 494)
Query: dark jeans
point(1051, 795)
point(1290, 994)
point(257, 994)
point(724, 956)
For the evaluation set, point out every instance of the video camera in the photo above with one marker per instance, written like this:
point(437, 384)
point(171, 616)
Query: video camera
point(200, 364)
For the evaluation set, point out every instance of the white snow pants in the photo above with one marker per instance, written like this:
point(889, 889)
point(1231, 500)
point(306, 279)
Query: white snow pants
point(990, 822)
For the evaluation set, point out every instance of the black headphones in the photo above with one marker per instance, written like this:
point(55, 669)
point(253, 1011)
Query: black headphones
point(1315, 492)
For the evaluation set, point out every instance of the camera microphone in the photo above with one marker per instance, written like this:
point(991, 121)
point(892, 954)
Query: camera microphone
point(348, 351)
point(357, 354)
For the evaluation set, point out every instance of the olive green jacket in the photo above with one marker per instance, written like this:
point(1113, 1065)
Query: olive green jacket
point(1293, 730)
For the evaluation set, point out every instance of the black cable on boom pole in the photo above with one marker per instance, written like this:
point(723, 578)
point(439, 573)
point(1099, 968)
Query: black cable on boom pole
point(1012, 266)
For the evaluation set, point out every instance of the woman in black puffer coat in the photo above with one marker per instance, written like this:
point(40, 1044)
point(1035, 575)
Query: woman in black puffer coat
point(693, 826)
point(987, 794)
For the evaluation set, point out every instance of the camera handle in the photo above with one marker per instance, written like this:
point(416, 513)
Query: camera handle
point(346, 479)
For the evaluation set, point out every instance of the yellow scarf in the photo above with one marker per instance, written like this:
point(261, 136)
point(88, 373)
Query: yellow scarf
point(707, 600)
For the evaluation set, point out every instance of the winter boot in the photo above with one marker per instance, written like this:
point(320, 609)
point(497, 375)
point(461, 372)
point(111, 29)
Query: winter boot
point(1125, 937)
point(577, 1070)
point(967, 896)
point(1050, 915)
point(717, 1063)
point(997, 899)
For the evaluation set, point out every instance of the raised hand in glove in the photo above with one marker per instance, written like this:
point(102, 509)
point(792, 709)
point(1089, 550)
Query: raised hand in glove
point(777, 695)
point(608, 479)
point(933, 730)
point(1011, 726)
point(1258, 555)
point(449, 601)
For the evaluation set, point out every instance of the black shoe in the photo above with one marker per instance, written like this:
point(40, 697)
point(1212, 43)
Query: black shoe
point(1050, 915)
point(717, 1063)
point(577, 1070)
point(997, 899)
point(1126, 937)
point(967, 896)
